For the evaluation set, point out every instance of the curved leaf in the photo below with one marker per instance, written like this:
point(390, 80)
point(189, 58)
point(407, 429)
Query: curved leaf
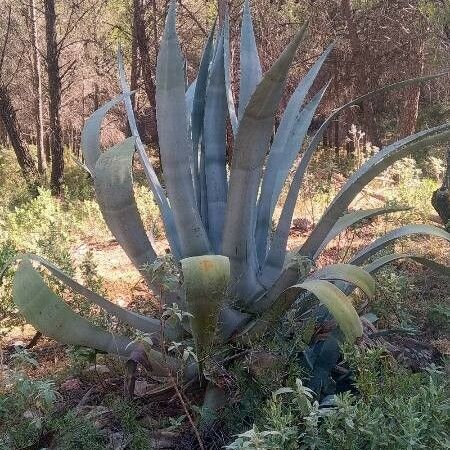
point(138, 321)
point(49, 314)
point(387, 238)
point(155, 185)
point(205, 279)
point(175, 144)
point(277, 252)
point(226, 60)
point(349, 273)
point(289, 206)
point(338, 304)
point(198, 109)
point(367, 172)
point(379, 263)
point(90, 134)
point(114, 190)
point(251, 72)
point(214, 135)
point(251, 143)
point(352, 218)
point(286, 144)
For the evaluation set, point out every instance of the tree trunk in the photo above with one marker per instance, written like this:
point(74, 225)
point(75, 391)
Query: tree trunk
point(37, 86)
point(147, 74)
point(360, 72)
point(441, 197)
point(410, 111)
point(222, 7)
point(9, 120)
point(54, 94)
point(134, 76)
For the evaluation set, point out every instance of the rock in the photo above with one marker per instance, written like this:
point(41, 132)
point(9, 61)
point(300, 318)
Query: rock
point(100, 369)
point(71, 384)
point(142, 388)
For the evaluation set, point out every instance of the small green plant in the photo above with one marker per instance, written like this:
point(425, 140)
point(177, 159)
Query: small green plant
point(135, 433)
point(24, 406)
point(74, 432)
point(438, 317)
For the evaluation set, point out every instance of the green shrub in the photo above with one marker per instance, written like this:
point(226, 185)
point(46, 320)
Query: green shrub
point(24, 405)
point(395, 409)
point(77, 433)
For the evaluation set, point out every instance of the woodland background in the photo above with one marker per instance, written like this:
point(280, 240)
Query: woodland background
point(58, 64)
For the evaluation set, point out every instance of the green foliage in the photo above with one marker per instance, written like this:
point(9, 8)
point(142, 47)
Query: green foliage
point(395, 409)
point(74, 432)
point(438, 317)
point(24, 405)
point(135, 433)
point(392, 300)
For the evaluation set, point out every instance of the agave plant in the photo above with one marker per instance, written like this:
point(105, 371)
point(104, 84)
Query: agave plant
point(237, 280)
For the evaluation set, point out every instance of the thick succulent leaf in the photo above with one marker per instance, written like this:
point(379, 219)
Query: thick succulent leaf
point(90, 134)
point(322, 357)
point(175, 144)
point(337, 303)
point(138, 321)
point(189, 97)
point(205, 279)
point(251, 72)
point(367, 172)
point(202, 184)
point(49, 314)
point(294, 143)
point(215, 149)
point(155, 185)
point(398, 233)
point(352, 218)
point(231, 321)
point(274, 261)
point(113, 183)
point(349, 273)
point(198, 109)
point(286, 144)
point(379, 263)
point(251, 143)
point(227, 64)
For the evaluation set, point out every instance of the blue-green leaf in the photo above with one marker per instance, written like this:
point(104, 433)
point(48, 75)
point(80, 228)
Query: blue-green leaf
point(250, 147)
point(251, 72)
point(215, 149)
point(387, 238)
point(155, 186)
point(198, 109)
point(272, 265)
point(226, 59)
point(113, 183)
point(351, 219)
point(90, 134)
point(175, 144)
